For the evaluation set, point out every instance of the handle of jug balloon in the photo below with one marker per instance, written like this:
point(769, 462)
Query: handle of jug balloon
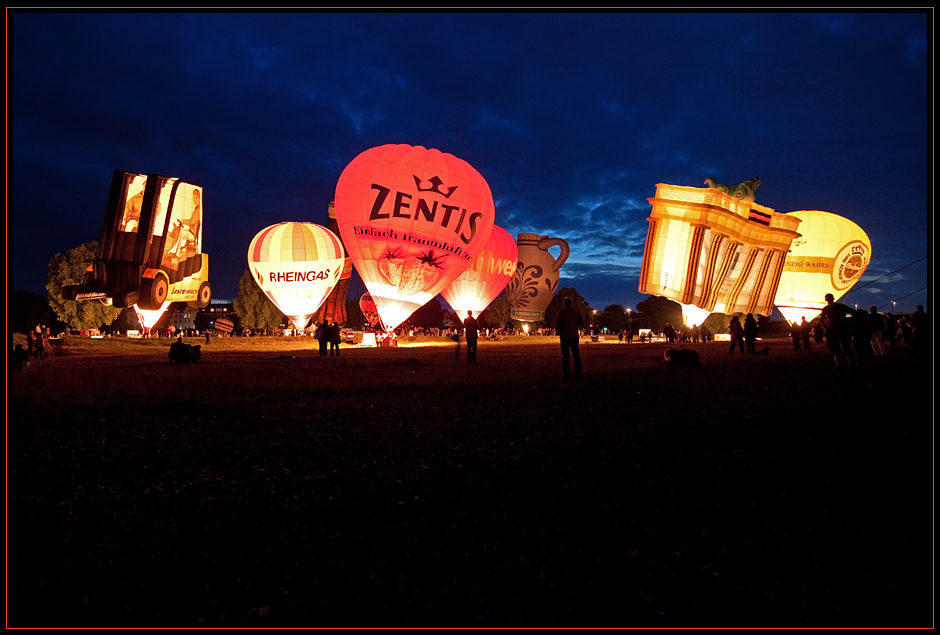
point(545, 242)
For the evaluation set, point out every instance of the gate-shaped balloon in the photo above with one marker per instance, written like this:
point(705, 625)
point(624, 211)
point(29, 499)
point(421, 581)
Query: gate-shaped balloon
point(709, 250)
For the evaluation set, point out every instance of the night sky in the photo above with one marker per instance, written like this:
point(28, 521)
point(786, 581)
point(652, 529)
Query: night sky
point(571, 119)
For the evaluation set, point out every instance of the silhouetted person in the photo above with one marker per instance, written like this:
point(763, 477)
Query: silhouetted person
point(796, 334)
point(334, 338)
point(835, 319)
point(876, 322)
point(20, 358)
point(737, 335)
point(920, 333)
point(323, 337)
point(471, 330)
point(750, 334)
point(806, 330)
point(568, 326)
point(861, 337)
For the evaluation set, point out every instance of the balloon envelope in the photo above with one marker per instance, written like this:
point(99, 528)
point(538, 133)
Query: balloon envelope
point(368, 308)
point(412, 220)
point(296, 265)
point(489, 274)
point(830, 256)
point(719, 253)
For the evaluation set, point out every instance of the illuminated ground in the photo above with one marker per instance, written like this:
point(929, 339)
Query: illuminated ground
point(398, 487)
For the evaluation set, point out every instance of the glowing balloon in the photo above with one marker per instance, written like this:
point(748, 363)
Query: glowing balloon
point(296, 265)
point(368, 308)
point(489, 274)
point(829, 257)
point(148, 319)
point(334, 309)
point(709, 250)
point(412, 220)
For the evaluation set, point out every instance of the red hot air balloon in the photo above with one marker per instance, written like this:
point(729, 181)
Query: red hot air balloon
point(369, 310)
point(489, 274)
point(412, 220)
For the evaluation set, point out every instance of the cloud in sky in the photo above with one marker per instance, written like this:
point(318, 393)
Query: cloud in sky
point(572, 119)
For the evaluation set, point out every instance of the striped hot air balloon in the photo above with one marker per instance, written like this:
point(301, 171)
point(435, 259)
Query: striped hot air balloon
point(296, 265)
point(224, 325)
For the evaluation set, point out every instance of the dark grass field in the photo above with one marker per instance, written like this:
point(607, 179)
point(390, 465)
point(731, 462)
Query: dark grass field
point(401, 488)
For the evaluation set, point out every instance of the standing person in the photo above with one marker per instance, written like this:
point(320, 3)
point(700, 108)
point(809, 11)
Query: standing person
point(208, 337)
point(750, 334)
point(737, 335)
point(876, 321)
point(471, 331)
point(323, 337)
point(807, 332)
point(861, 337)
point(30, 342)
point(835, 318)
point(920, 334)
point(796, 334)
point(568, 326)
point(334, 339)
point(40, 344)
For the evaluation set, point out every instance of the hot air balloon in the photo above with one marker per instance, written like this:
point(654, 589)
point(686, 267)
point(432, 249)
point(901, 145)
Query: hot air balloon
point(489, 274)
point(713, 252)
point(334, 309)
point(296, 265)
point(830, 256)
point(368, 308)
point(412, 220)
point(151, 246)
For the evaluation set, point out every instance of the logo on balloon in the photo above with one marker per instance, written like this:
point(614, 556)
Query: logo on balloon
point(850, 264)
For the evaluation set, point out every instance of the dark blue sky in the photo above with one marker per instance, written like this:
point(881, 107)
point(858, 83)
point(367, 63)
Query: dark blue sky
point(572, 120)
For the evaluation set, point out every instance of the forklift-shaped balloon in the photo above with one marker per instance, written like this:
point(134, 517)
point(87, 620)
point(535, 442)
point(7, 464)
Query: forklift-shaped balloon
point(151, 246)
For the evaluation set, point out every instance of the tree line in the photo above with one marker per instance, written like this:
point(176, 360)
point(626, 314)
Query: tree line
point(255, 310)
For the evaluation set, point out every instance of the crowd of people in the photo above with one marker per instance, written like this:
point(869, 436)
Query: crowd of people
point(851, 336)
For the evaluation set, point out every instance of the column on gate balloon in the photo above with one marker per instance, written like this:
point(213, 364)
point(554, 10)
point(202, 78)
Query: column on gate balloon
point(296, 265)
point(412, 220)
point(489, 274)
point(830, 256)
point(714, 253)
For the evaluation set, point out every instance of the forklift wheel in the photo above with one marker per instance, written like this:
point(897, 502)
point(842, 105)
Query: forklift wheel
point(202, 296)
point(153, 292)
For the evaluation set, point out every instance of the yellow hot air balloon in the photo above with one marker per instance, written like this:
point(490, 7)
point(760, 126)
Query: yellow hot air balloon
point(830, 256)
point(412, 220)
point(489, 274)
point(296, 265)
point(714, 252)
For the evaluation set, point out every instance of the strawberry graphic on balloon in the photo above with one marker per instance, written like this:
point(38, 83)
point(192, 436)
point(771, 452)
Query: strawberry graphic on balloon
point(420, 273)
point(390, 266)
